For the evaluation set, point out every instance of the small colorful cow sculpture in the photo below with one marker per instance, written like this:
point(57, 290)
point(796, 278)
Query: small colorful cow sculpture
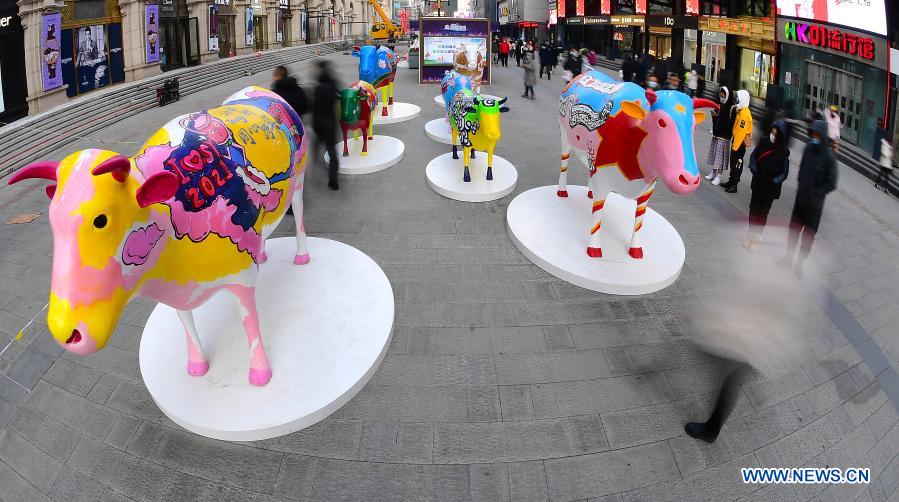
point(469, 60)
point(474, 121)
point(357, 108)
point(377, 66)
point(452, 83)
point(183, 219)
point(631, 138)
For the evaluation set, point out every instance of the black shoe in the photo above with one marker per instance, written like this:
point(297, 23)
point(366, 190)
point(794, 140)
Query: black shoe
point(333, 185)
point(731, 189)
point(697, 430)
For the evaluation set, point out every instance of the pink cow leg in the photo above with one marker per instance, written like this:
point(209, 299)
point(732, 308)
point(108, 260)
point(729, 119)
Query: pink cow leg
point(594, 250)
point(260, 371)
point(636, 251)
point(302, 256)
point(197, 364)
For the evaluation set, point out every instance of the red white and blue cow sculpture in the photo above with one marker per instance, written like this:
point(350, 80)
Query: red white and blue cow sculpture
point(377, 66)
point(631, 137)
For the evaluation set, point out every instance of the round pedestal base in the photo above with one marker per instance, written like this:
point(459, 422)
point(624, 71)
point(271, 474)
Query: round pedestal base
point(553, 232)
point(438, 101)
point(326, 327)
point(402, 64)
point(383, 152)
point(439, 131)
point(397, 112)
point(444, 175)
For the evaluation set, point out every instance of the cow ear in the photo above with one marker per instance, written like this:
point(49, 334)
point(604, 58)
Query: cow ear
point(158, 188)
point(357, 52)
point(503, 109)
point(699, 116)
point(633, 109)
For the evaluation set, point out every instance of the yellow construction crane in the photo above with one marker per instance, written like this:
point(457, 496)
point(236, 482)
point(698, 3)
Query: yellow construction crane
point(384, 30)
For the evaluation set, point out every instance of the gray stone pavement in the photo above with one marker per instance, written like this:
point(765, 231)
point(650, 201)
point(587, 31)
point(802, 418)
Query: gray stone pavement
point(502, 382)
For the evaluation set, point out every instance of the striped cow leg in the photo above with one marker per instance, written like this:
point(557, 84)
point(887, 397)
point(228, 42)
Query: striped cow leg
point(260, 370)
point(594, 250)
point(562, 191)
point(197, 364)
point(636, 251)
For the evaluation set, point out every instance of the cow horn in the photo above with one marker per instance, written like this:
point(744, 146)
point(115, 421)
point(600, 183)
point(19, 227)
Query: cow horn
point(651, 96)
point(503, 101)
point(119, 166)
point(45, 170)
point(704, 103)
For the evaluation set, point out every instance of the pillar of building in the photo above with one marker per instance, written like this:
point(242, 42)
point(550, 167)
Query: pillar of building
point(134, 41)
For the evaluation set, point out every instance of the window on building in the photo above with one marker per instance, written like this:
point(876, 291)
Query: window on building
point(758, 8)
point(714, 8)
point(661, 6)
point(623, 7)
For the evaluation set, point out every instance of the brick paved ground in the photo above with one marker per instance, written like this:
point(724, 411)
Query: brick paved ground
point(502, 382)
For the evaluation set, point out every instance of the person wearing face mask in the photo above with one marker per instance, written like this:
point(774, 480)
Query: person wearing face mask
point(722, 132)
point(742, 140)
point(770, 166)
point(817, 178)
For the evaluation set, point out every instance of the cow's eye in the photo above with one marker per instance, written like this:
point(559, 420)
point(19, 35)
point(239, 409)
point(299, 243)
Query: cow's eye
point(662, 123)
point(100, 221)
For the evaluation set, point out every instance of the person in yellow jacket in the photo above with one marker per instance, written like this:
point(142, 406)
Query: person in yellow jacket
point(742, 139)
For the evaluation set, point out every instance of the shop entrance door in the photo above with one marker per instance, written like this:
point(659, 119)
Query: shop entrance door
point(826, 86)
point(172, 32)
point(259, 33)
point(713, 59)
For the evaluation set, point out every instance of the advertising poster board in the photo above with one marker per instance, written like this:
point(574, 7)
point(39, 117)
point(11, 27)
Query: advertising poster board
point(51, 73)
point(249, 26)
point(213, 28)
point(439, 37)
point(91, 65)
point(151, 28)
point(866, 15)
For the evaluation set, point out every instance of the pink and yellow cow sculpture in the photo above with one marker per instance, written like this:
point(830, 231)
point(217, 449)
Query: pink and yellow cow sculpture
point(183, 219)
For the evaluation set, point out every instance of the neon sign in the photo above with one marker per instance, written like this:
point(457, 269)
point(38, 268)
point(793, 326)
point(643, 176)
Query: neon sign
point(830, 38)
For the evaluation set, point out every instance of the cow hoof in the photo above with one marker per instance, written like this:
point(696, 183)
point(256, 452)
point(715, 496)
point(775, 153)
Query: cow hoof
point(594, 252)
point(197, 368)
point(301, 259)
point(636, 253)
point(489, 177)
point(466, 179)
point(346, 154)
point(263, 258)
point(589, 194)
point(365, 154)
point(384, 112)
point(371, 138)
point(260, 376)
point(562, 193)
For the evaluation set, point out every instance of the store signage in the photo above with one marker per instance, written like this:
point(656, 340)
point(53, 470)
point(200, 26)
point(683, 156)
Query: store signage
point(840, 41)
point(575, 20)
point(868, 15)
point(640, 6)
point(579, 7)
point(627, 20)
point(284, 4)
point(596, 20)
point(561, 7)
point(5, 22)
point(760, 28)
point(684, 22)
point(605, 7)
point(528, 24)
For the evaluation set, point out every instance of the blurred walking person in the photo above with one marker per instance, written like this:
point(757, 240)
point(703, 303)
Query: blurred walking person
point(504, 48)
point(324, 119)
point(530, 74)
point(770, 166)
point(286, 86)
point(547, 57)
point(884, 157)
point(817, 178)
point(834, 124)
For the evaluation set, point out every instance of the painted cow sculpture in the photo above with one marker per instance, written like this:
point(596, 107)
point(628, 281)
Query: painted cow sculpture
point(452, 83)
point(377, 66)
point(469, 60)
point(474, 121)
point(631, 139)
point(183, 219)
point(357, 106)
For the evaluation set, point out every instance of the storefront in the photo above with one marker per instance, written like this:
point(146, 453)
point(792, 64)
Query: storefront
point(177, 35)
point(596, 33)
point(713, 54)
point(627, 33)
point(256, 26)
point(666, 36)
point(222, 34)
point(823, 65)
point(91, 45)
point(755, 67)
point(13, 88)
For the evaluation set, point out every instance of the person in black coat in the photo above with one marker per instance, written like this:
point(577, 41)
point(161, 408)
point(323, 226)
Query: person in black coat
point(547, 57)
point(324, 119)
point(627, 68)
point(574, 63)
point(722, 134)
point(287, 87)
point(817, 178)
point(770, 166)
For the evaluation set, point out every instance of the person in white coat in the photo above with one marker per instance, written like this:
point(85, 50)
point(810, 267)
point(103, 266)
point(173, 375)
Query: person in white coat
point(834, 124)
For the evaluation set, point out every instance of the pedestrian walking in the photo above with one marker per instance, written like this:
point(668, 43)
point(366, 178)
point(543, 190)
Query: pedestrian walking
point(742, 139)
point(722, 133)
point(883, 154)
point(286, 86)
point(693, 83)
point(834, 124)
point(504, 48)
point(573, 64)
point(530, 74)
point(518, 46)
point(817, 178)
point(547, 56)
point(324, 119)
point(770, 166)
point(494, 49)
point(627, 68)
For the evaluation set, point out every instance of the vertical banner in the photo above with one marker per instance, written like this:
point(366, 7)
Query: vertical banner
point(91, 65)
point(692, 7)
point(213, 28)
point(641, 6)
point(303, 22)
point(151, 21)
point(606, 7)
point(249, 26)
point(579, 7)
point(51, 73)
point(561, 8)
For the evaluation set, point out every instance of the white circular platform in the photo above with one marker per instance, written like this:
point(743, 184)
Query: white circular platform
point(444, 175)
point(438, 101)
point(326, 327)
point(402, 64)
point(553, 232)
point(397, 112)
point(383, 152)
point(439, 131)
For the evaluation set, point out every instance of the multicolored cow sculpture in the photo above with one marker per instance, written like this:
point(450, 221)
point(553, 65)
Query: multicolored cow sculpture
point(631, 138)
point(377, 66)
point(452, 83)
point(357, 107)
point(474, 121)
point(183, 219)
point(470, 60)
